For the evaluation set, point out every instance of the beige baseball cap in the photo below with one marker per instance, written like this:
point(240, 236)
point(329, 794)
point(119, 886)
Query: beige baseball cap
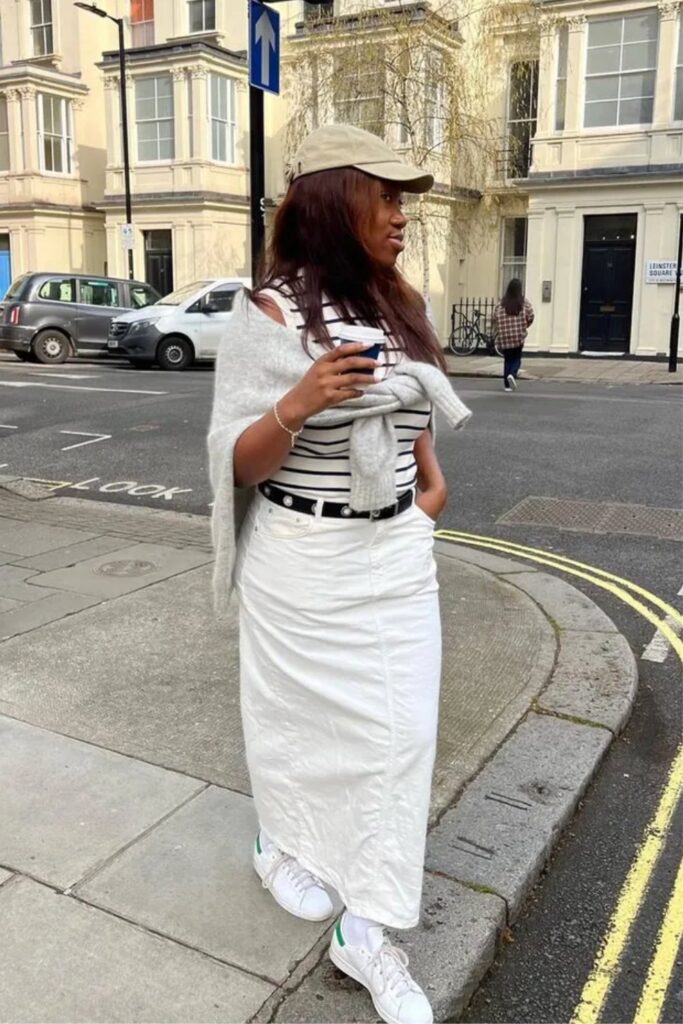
point(343, 145)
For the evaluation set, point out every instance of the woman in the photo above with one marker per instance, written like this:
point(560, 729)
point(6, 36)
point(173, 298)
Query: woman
point(512, 318)
point(339, 617)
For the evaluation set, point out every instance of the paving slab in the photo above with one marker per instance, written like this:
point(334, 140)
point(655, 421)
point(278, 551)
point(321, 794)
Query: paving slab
point(192, 879)
point(4, 875)
point(73, 553)
point(53, 606)
point(125, 570)
point(450, 950)
point(595, 678)
point(66, 806)
point(67, 963)
point(15, 585)
point(155, 677)
point(6, 556)
point(503, 827)
point(568, 607)
point(27, 538)
point(7, 604)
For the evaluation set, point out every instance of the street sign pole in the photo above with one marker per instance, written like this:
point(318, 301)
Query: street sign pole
point(675, 319)
point(257, 178)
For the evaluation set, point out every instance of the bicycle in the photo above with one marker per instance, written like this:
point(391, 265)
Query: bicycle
point(467, 337)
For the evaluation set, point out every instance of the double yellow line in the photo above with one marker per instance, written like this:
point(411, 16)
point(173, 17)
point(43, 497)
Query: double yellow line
point(608, 961)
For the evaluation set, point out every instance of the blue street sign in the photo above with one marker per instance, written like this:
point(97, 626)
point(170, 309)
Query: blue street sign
point(264, 47)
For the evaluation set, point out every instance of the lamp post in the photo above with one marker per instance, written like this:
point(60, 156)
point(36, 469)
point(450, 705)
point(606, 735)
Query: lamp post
point(94, 9)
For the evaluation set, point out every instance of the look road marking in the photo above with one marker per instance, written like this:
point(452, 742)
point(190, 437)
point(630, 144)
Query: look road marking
point(634, 889)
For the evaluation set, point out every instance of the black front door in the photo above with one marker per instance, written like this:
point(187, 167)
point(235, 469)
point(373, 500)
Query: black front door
point(159, 260)
point(609, 252)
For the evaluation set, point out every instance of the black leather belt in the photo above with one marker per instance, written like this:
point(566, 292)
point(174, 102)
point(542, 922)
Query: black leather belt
point(332, 509)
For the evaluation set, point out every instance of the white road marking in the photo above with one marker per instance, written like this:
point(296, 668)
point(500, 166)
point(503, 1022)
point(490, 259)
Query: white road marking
point(680, 592)
point(130, 487)
point(659, 647)
point(76, 387)
point(8, 426)
point(94, 438)
point(66, 376)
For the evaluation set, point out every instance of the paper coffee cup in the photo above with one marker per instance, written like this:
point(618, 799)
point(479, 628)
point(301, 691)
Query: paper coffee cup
point(372, 336)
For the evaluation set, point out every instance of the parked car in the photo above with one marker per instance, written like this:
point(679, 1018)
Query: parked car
point(45, 318)
point(186, 325)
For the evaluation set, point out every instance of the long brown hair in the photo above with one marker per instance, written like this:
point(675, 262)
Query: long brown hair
point(513, 300)
point(317, 249)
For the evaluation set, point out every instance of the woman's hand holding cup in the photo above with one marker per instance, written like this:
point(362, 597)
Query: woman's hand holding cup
point(339, 375)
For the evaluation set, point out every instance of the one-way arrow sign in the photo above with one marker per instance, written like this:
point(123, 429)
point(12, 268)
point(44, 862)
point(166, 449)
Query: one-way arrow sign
point(264, 47)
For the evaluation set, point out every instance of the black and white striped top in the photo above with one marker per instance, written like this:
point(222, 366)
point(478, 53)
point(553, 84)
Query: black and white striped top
point(318, 464)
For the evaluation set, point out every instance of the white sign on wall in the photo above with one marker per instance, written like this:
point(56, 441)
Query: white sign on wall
point(660, 272)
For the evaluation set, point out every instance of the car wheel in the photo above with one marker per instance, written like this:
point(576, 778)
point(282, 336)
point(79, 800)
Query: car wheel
point(51, 346)
point(26, 357)
point(141, 364)
point(174, 353)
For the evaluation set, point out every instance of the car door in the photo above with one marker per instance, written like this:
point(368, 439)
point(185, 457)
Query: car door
point(217, 310)
point(99, 301)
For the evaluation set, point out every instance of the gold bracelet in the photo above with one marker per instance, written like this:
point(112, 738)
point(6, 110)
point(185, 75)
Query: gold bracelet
point(293, 434)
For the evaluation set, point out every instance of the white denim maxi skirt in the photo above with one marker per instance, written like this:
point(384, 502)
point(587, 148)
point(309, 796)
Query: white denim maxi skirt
point(340, 661)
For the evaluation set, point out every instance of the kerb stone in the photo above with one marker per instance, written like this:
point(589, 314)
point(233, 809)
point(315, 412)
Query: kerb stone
point(505, 824)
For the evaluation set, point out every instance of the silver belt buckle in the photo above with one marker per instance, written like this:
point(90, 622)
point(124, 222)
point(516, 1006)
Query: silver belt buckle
point(374, 513)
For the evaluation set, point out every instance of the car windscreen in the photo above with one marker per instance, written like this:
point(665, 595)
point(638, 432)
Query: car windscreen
point(181, 294)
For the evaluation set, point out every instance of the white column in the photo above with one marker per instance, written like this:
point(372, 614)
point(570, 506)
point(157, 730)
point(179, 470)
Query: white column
point(29, 120)
point(200, 114)
point(16, 150)
point(576, 67)
point(546, 77)
point(669, 13)
point(77, 105)
point(182, 148)
point(112, 115)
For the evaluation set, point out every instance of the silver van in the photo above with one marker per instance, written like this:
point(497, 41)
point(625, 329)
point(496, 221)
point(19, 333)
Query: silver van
point(45, 318)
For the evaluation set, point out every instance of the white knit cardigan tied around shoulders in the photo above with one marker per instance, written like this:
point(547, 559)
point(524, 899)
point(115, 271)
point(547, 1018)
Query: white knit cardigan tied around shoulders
point(258, 362)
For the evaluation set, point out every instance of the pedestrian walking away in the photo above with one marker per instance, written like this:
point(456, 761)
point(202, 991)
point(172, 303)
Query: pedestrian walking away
point(327, 489)
point(512, 318)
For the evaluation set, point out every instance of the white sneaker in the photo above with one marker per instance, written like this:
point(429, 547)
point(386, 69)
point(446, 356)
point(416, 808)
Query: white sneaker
point(290, 885)
point(384, 973)
point(511, 382)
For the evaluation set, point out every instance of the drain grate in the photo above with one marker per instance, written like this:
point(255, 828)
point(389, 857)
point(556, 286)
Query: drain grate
point(597, 517)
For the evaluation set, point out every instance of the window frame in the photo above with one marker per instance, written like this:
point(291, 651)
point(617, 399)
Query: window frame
point(228, 123)
point(531, 119)
point(46, 28)
point(620, 75)
point(143, 26)
point(435, 103)
point(155, 120)
point(355, 76)
point(677, 112)
point(65, 139)
point(5, 134)
point(519, 262)
point(201, 5)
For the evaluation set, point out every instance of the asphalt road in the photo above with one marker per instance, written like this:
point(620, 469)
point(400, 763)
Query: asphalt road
point(140, 438)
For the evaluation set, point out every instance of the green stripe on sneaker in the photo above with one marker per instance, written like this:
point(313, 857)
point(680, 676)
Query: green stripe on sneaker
point(258, 843)
point(340, 938)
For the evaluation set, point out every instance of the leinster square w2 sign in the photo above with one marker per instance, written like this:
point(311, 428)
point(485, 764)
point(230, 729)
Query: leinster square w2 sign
point(264, 47)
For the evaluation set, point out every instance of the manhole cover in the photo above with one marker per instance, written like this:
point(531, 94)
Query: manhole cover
point(598, 517)
point(131, 567)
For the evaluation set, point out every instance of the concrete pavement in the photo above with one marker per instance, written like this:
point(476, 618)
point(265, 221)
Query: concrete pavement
point(585, 370)
point(126, 822)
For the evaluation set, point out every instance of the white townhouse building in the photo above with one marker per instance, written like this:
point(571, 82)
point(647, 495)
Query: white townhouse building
point(605, 183)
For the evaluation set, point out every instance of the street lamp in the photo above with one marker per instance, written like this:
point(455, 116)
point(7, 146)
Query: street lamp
point(94, 9)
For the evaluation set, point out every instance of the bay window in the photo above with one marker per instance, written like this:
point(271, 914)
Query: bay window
point(54, 133)
point(223, 118)
point(154, 118)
